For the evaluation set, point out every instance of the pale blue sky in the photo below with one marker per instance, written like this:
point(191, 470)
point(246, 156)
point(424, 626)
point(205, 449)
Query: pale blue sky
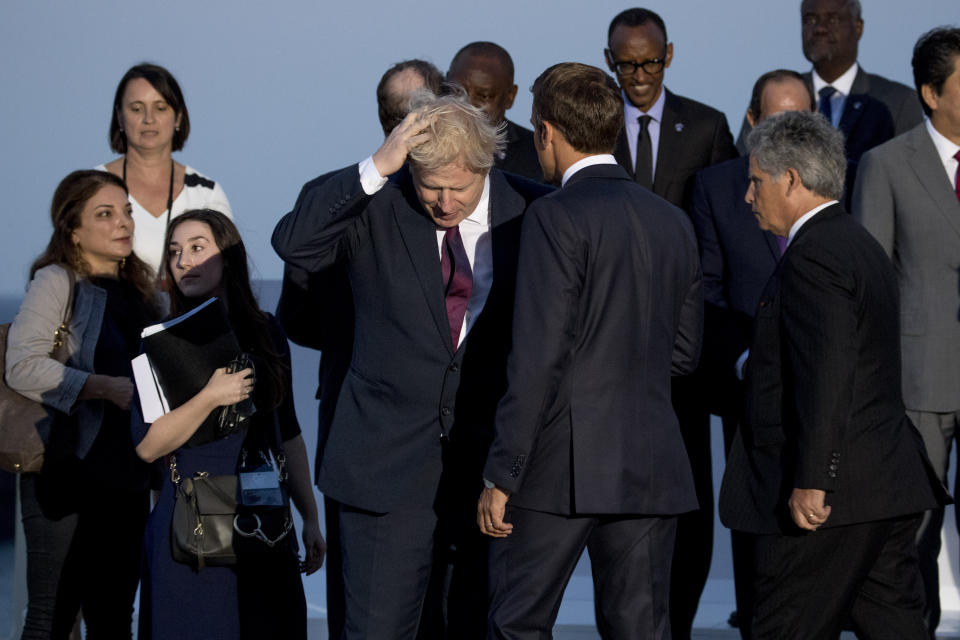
point(281, 92)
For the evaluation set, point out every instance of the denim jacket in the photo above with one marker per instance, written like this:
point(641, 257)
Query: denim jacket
point(30, 369)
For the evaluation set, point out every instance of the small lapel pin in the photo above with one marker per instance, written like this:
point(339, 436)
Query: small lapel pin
point(678, 127)
point(857, 105)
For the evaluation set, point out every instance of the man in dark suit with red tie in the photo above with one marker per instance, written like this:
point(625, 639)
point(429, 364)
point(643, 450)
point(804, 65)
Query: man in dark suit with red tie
point(587, 451)
point(431, 255)
point(826, 475)
point(666, 140)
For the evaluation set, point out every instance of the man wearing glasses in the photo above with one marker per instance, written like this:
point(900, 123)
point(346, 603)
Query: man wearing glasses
point(666, 140)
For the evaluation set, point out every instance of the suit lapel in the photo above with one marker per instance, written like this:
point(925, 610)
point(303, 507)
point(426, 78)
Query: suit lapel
point(852, 110)
point(419, 236)
point(861, 83)
point(926, 165)
point(669, 147)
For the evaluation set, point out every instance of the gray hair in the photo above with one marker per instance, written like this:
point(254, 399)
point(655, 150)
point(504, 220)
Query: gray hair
point(804, 141)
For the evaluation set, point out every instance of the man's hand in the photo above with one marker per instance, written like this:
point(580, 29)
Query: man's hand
point(408, 134)
point(808, 509)
point(490, 508)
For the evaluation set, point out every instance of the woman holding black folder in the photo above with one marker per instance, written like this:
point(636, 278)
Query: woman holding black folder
point(205, 258)
point(84, 512)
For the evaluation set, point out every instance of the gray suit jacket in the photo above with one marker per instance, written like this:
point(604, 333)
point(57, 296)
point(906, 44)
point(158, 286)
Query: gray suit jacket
point(904, 198)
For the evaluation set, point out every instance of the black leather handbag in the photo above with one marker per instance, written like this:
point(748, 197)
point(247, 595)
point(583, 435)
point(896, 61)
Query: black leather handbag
point(202, 531)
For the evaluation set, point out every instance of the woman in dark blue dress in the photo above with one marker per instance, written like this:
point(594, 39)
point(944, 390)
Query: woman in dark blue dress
point(262, 596)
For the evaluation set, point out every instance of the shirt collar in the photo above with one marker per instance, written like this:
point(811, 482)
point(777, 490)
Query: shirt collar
point(805, 217)
point(583, 163)
point(843, 84)
point(631, 112)
point(481, 215)
point(946, 148)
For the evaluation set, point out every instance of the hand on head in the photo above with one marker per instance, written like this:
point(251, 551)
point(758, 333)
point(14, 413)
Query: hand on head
point(412, 131)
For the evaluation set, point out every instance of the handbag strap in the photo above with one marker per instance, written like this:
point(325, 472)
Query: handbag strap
point(64, 329)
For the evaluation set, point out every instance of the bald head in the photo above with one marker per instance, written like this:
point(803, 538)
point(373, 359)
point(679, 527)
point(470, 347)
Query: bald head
point(485, 71)
point(776, 92)
point(396, 85)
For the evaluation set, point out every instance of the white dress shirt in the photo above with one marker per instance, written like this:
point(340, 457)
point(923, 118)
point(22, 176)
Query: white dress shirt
point(946, 149)
point(632, 127)
point(583, 163)
point(475, 233)
point(843, 85)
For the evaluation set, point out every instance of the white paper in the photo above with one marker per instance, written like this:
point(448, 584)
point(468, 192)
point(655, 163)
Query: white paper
point(157, 328)
point(153, 403)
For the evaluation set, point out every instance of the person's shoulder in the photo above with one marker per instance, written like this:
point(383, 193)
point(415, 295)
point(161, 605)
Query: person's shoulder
point(52, 275)
point(880, 85)
point(518, 133)
point(726, 170)
point(193, 178)
point(691, 108)
point(528, 189)
point(894, 148)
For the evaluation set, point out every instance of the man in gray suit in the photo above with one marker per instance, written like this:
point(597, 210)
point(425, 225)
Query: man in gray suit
point(906, 196)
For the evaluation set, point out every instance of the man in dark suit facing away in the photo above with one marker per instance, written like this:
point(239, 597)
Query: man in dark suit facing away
point(485, 71)
point(827, 474)
point(666, 140)
point(316, 311)
point(587, 449)
point(431, 255)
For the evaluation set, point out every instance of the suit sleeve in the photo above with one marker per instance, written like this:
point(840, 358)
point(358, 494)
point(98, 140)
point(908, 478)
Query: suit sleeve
point(689, 338)
point(550, 278)
point(327, 225)
point(819, 324)
point(723, 148)
point(711, 256)
point(873, 201)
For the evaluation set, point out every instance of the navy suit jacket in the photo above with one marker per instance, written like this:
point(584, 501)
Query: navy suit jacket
point(406, 385)
point(520, 155)
point(823, 403)
point(692, 136)
point(608, 306)
point(737, 258)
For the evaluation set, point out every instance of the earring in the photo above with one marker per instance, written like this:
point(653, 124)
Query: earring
point(123, 263)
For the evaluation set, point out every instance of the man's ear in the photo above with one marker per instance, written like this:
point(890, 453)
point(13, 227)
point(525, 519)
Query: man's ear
point(930, 96)
point(508, 103)
point(750, 119)
point(609, 58)
point(793, 179)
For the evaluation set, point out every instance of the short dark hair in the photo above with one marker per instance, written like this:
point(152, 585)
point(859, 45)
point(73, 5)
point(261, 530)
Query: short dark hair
point(391, 111)
point(582, 102)
point(777, 75)
point(933, 60)
point(853, 6)
point(634, 18)
point(484, 49)
point(166, 85)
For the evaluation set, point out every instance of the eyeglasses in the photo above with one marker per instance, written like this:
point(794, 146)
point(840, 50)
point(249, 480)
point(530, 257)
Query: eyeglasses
point(832, 19)
point(652, 66)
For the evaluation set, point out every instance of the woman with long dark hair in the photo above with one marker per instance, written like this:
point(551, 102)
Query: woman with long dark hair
point(262, 596)
point(84, 513)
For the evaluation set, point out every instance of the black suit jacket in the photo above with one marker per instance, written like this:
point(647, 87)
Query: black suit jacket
point(737, 258)
point(692, 136)
point(608, 306)
point(406, 386)
point(520, 155)
point(824, 409)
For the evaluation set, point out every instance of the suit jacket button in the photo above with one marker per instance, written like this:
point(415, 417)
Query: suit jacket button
point(445, 411)
point(832, 474)
point(833, 467)
point(454, 367)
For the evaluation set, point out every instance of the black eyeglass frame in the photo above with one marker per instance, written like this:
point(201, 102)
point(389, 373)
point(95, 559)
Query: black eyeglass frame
point(657, 65)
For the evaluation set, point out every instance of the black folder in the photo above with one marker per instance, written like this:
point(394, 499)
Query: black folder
point(185, 351)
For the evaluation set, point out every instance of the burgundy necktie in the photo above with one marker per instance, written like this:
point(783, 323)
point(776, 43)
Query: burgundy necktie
point(956, 182)
point(457, 281)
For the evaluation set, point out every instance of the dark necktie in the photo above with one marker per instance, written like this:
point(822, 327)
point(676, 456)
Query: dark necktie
point(457, 281)
point(957, 176)
point(781, 243)
point(825, 107)
point(644, 167)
